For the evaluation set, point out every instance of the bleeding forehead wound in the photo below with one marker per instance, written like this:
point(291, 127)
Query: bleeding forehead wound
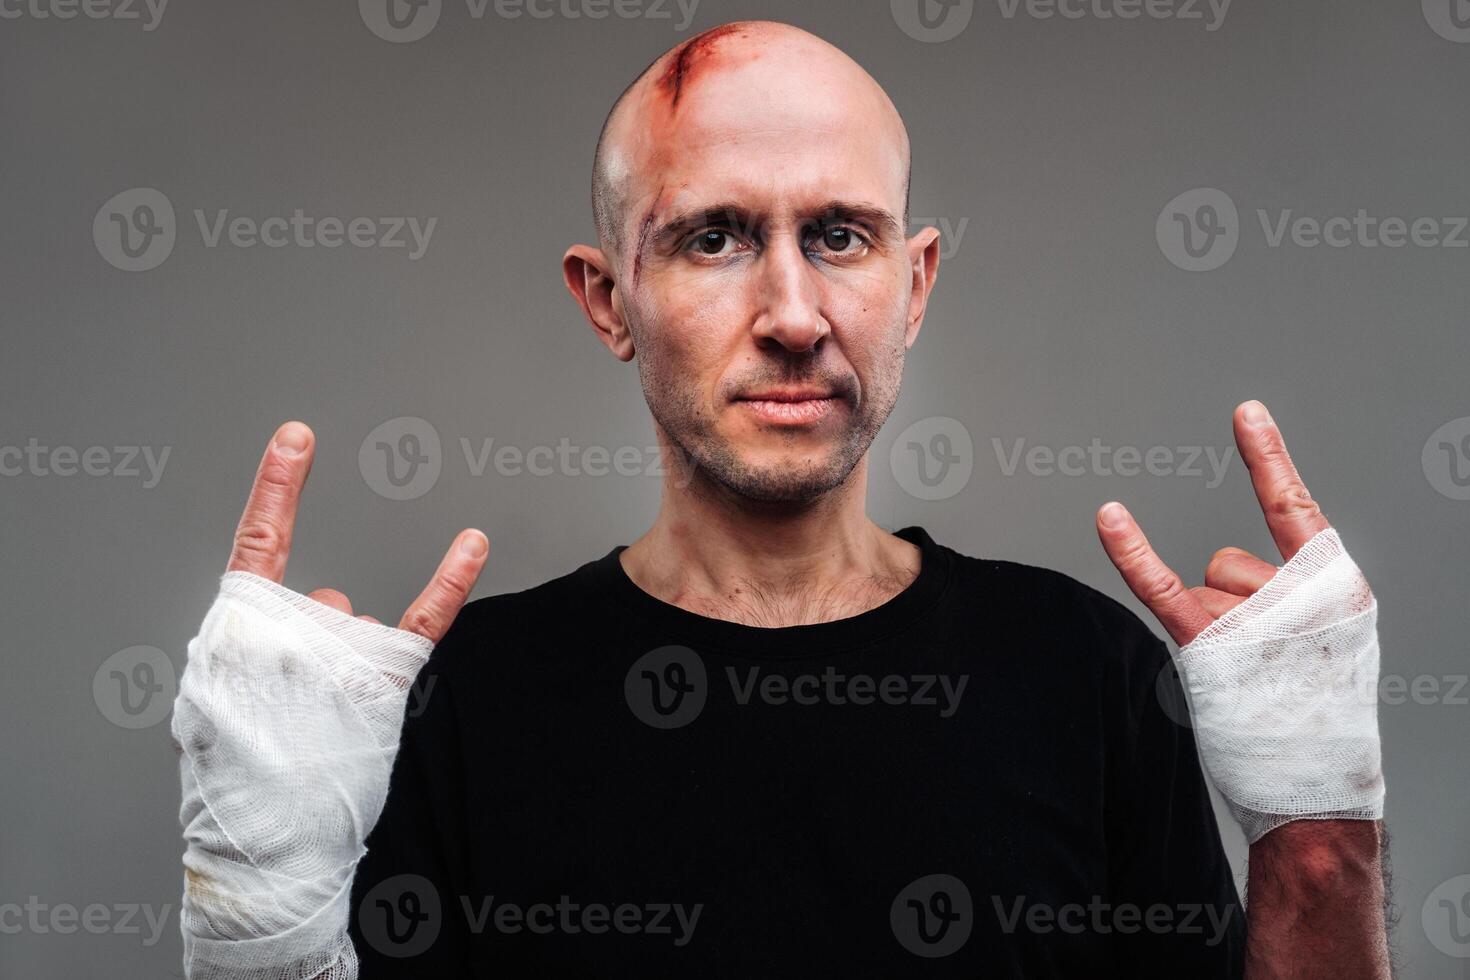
point(691, 57)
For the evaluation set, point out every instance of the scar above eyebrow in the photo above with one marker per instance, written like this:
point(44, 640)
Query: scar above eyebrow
point(643, 231)
point(685, 62)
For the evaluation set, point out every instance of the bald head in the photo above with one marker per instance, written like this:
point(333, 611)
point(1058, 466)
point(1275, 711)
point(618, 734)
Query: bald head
point(731, 80)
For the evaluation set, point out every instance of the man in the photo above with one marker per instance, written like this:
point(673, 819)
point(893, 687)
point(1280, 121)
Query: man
point(768, 737)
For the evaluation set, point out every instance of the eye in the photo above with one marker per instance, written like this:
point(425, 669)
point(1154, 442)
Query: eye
point(836, 240)
point(713, 243)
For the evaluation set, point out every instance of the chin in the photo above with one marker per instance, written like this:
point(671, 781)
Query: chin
point(780, 478)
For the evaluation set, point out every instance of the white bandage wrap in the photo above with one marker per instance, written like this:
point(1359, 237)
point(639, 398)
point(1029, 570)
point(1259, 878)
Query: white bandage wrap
point(288, 717)
point(1283, 691)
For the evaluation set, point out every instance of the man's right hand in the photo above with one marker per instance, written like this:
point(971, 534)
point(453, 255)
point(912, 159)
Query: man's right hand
point(263, 539)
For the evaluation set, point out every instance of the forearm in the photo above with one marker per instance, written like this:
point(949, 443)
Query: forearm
point(288, 719)
point(1315, 902)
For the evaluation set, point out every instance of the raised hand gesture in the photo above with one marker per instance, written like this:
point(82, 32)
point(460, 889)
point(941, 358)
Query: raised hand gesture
point(1232, 575)
point(263, 539)
point(288, 720)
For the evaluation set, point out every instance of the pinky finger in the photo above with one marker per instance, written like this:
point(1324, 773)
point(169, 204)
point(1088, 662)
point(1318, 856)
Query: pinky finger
point(1156, 584)
point(436, 607)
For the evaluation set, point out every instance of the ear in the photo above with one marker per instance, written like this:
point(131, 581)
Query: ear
point(923, 251)
point(589, 275)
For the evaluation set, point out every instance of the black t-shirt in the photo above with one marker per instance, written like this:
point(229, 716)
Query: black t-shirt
point(979, 778)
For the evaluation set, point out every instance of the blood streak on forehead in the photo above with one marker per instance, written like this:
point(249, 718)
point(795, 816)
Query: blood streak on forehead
point(685, 63)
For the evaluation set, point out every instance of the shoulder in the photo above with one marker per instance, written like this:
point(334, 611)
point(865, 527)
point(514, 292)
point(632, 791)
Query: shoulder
point(1034, 597)
point(502, 621)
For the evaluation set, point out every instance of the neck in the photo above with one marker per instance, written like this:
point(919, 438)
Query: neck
point(720, 555)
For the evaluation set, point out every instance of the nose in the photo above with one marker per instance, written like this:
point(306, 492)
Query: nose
point(790, 312)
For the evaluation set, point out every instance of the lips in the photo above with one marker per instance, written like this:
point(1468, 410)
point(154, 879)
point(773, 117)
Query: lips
point(789, 406)
point(786, 395)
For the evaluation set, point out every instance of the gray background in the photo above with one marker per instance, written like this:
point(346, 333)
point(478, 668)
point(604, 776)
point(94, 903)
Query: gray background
point(1058, 319)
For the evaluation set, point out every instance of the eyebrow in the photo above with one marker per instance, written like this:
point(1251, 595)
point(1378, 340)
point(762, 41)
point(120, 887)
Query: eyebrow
point(679, 223)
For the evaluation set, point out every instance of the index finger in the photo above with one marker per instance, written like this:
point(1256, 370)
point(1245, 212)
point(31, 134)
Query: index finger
point(1291, 514)
point(263, 537)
